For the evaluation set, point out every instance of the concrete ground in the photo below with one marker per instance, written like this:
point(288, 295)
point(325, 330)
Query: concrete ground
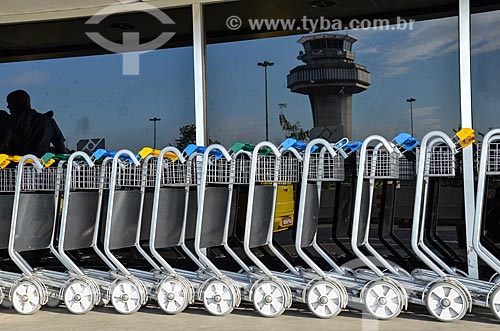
point(195, 318)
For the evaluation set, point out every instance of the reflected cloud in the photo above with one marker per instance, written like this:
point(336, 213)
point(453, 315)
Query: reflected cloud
point(26, 78)
point(424, 111)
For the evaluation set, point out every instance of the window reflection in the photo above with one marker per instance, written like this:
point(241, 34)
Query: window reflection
point(421, 63)
point(92, 99)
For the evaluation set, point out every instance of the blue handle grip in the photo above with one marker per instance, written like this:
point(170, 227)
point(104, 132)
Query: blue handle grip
point(192, 148)
point(406, 140)
point(288, 142)
point(298, 145)
point(352, 146)
point(102, 153)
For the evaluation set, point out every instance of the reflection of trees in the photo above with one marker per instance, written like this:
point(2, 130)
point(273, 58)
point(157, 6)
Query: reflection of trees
point(293, 130)
point(187, 135)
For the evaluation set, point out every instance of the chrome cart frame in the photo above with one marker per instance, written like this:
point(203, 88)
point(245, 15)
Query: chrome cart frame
point(383, 163)
point(328, 165)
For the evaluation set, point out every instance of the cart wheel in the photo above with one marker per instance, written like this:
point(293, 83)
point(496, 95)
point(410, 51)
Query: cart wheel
point(78, 297)
point(26, 298)
point(53, 302)
point(218, 298)
point(446, 302)
point(324, 299)
point(126, 297)
point(383, 300)
point(172, 296)
point(495, 302)
point(269, 298)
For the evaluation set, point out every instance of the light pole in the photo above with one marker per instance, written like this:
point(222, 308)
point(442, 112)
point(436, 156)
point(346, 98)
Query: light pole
point(411, 101)
point(154, 120)
point(266, 64)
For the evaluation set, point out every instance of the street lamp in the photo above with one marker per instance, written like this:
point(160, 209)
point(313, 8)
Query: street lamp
point(154, 120)
point(266, 64)
point(411, 101)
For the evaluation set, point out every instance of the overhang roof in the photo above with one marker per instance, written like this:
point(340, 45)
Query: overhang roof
point(38, 29)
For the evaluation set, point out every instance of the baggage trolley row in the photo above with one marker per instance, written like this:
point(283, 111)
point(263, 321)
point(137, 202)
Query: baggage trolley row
point(190, 202)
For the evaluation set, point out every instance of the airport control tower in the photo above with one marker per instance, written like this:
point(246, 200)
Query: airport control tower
point(329, 77)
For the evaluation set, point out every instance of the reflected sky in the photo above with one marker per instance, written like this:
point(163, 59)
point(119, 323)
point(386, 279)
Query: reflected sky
point(92, 99)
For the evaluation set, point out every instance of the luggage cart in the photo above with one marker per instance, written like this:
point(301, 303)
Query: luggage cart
point(437, 159)
point(224, 290)
point(173, 192)
point(83, 191)
point(165, 171)
point(173, 195)
point(89, 184)
point(33, 227)
point(7, 189)
point(489, 166)
point(327, 164)
point(382, 163)
point(277, 167)
point(122, 230)
point(398, 249)
point(269, 294)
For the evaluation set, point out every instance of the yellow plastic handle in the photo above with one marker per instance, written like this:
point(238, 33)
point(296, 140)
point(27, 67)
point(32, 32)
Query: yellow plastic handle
point(145, 152)
point(172, 156)
point(466, 137)
point(49, 163)
point(156, 152)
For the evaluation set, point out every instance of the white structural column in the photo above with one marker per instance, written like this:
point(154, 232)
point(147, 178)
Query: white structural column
point(466, 114)
point(200, 81)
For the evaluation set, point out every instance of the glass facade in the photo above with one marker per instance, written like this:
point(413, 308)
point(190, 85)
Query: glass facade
point(92, 99)
point(399, 64)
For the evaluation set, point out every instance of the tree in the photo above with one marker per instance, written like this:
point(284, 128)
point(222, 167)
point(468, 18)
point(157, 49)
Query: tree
point(187, 135)
point(293, 130)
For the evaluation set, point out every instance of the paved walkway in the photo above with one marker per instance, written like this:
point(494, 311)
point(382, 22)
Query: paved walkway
point(196, 318)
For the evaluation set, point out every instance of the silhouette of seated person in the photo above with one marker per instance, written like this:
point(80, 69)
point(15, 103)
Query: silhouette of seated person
point(32, 132)
point(492, 220)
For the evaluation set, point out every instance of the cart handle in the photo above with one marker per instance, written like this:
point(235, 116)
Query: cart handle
point(406, 140)
point(466, 137)
point(192, 148)
point(238, 146)
point(352, 146)
point(268, 147)
point(298, 145)
point(170, 152)
point(312, 146)
point(341, 143)
point(218, 151)
point(147, 151)
point(127, 155)
point(31, 159)
point(50, 158)
point(100, 153)
point(5, 160)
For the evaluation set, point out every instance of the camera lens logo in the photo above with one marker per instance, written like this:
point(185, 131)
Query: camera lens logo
point(131, 47)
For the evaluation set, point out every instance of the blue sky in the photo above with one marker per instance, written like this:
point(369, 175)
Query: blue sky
point(91, 98)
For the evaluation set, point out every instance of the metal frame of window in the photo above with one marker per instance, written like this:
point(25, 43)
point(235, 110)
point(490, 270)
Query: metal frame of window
point(466, 121)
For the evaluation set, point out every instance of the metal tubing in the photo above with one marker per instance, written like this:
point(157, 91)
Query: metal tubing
point(156, 199)
point(14, 255)
point(109, 215)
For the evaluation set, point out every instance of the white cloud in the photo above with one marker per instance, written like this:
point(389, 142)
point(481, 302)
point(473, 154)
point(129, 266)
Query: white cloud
point(424, 111)
point(394, 71)
point(26, 78)
point(369, 50)
point(440, 37)
point(485, 32)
